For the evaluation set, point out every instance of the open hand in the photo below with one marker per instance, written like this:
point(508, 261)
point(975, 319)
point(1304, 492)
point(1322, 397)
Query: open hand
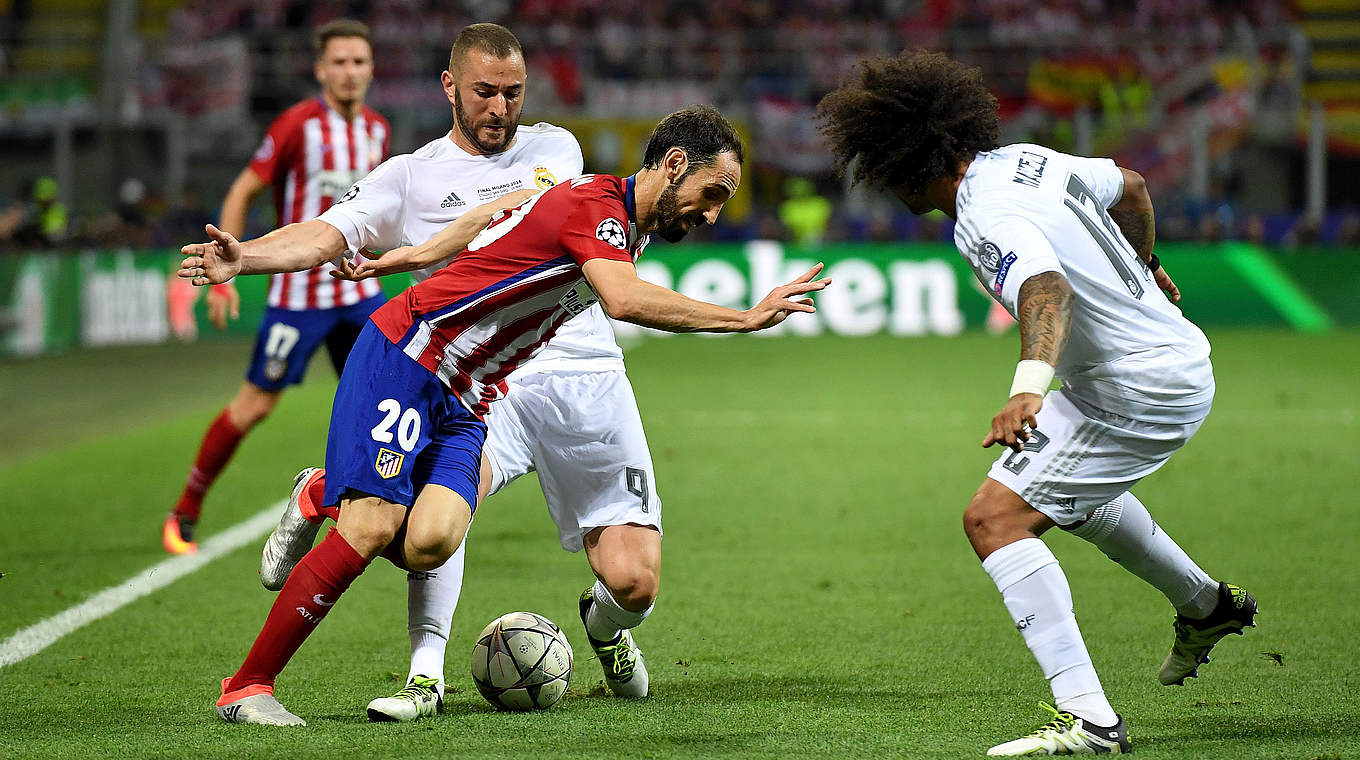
point(391, 262)
point(224, 302)
point(781, 302)
point(213, 262)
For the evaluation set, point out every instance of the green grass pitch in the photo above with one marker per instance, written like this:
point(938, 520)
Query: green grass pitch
point(818, 596)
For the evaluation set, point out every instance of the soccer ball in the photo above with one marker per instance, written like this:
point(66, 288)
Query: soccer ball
point(522, 661)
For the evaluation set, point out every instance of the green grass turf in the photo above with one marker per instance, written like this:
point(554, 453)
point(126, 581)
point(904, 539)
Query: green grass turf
point(819, 598)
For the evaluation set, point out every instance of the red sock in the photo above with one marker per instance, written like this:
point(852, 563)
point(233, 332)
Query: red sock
point(316, 583)
point(213, 454)
point(316, 493)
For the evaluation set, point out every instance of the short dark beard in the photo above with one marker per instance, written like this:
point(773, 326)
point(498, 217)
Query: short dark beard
point(469, 129)
point(669, 225)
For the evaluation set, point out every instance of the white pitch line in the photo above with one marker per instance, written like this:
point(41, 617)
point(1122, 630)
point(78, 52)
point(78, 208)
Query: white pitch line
point(37, 637)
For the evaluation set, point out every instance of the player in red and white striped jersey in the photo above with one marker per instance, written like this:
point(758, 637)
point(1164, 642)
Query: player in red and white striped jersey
point(517, 282)
point(406, 433)
point(310, 156)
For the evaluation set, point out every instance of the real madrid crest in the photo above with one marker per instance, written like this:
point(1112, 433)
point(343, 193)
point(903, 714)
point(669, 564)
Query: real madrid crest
point(543, 178)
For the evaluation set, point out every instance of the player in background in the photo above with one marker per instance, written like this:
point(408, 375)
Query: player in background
point(310, 156)
point(404, 449)
point(1065, 244)
point(569, 412)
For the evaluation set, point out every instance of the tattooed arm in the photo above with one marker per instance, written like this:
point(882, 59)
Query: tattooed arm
point(1045, 309)
point(1133, 213)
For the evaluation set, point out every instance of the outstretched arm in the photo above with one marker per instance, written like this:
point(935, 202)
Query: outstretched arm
point(1045, 309)
point(294, 248)
point(446, 244)
point(627, 297)
point(1134, 215)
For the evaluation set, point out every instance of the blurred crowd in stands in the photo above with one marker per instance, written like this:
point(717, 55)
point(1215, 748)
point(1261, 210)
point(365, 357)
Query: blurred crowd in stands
point(1124, 78)
point(34, 219)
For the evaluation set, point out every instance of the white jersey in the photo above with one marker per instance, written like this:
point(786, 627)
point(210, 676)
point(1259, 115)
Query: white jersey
point(1026, 209)
point(411, 197)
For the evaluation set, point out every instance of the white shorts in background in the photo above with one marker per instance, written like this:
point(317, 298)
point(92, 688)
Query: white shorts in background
point(583, 435)
point(1079, 457)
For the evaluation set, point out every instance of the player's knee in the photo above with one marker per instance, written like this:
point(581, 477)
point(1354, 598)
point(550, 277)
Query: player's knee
point(249, 410)
point(974, 518)
point(981, 521)
point(996, 517)
point(427, 550)
point(369, 537)
point(634, 587)
point(424, 560)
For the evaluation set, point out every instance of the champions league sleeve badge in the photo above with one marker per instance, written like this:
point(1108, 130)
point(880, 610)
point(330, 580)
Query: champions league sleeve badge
point(266, 149)
point(611, 231)
point(989, 257)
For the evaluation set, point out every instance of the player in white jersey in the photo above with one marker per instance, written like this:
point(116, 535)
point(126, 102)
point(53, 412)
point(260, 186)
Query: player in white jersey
point(569, 414)
point(1065, 244)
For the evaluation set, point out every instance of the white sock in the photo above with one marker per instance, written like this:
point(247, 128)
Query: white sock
point(605, 617)
point(1126, 533)
point(431, 598)
point(1040, 602)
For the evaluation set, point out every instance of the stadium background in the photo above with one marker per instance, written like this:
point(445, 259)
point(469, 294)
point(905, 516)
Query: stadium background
point(124, 122)
point(794, 465)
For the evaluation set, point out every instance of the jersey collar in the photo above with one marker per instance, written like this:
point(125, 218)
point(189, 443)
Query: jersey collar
point(630, 198)
point(630, 207)
point(635, 242)
point(326, 106)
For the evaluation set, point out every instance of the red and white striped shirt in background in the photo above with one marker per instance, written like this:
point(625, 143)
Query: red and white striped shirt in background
point(496, 304)
point(312, 156)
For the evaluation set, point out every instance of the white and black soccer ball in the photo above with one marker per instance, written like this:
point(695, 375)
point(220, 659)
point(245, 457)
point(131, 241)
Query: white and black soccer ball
point(522, 661)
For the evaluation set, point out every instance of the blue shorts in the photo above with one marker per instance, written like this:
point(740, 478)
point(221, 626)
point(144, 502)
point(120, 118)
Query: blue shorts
point(287, 339)
point(396, 427)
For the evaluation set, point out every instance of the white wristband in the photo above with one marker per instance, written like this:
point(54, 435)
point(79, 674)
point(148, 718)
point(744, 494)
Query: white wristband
point(1032, 376)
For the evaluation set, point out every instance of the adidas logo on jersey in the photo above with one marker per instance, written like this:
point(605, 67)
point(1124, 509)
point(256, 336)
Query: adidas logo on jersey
point(452, 201)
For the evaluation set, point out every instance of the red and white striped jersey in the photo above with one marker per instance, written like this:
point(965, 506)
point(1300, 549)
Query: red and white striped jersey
point(312, 156)
point(498, 302)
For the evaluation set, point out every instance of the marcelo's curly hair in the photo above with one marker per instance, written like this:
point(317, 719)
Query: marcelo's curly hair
point(908, 120)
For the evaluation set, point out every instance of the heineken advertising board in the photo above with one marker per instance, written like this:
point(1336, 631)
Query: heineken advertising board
point(54, 301)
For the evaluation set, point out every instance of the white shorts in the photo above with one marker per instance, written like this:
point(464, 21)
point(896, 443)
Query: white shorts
point(1080, 457)
point(583, 435)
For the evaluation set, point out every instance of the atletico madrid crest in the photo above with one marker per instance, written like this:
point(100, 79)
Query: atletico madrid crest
point(389, 463)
